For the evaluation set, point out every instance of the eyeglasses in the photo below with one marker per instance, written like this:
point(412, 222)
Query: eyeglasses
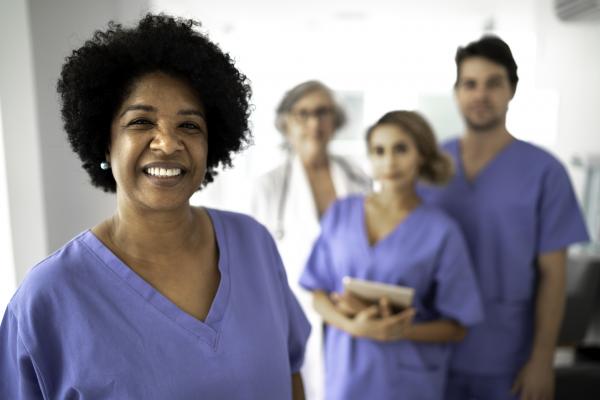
point(321, 114)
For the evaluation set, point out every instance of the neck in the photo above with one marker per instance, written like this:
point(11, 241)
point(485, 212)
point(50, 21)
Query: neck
point(141, 233)
point(398, 199)
point(486, 143)
point(314, 161)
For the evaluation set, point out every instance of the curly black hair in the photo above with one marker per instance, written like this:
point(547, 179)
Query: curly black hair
point(97, 78)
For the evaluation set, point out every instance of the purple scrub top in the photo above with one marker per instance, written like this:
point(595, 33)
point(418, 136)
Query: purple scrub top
point(519, 206)
point(84, 325)
point(425, 251)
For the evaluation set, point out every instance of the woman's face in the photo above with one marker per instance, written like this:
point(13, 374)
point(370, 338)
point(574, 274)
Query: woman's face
point(159, 144)
point(394, 157)
point(310, 123)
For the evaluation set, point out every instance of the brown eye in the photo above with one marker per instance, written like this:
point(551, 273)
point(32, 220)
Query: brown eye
point(139, 121)
point(401, 148)
point(189, 125)
point(495, 83)
point(379, 151)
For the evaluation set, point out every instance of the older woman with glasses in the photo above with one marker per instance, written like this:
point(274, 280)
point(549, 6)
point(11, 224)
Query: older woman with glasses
point(291, 199)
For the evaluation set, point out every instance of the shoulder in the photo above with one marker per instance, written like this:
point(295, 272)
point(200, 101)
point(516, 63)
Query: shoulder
point(350, 202)
point(244, 241)
point(241, 233)
point(341, 209)
point(539, 164)
point(49, 280)
point(437, 220)
point(535, 152)
point(235, 223)
point(450, 145)
point(536, 156)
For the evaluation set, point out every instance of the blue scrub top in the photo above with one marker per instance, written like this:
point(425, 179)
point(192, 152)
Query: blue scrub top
point(425, 251)
point(84, 325)
point(519, 206)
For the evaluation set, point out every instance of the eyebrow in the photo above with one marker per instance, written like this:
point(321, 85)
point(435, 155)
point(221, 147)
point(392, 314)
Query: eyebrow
point(192, 112)
point(144, 107)
point(489, 78)
point(136, 107)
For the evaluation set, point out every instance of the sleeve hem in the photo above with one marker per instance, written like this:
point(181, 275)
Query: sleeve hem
point(559, 245)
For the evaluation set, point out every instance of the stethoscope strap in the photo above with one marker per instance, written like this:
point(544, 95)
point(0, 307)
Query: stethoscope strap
point(280, 231)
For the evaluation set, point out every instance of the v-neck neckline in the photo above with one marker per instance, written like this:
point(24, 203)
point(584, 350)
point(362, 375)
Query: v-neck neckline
point(485, 169)
point(387, 236)
point(208, 330)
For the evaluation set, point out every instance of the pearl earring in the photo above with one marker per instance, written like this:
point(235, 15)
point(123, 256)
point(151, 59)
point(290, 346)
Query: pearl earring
point(104, 165)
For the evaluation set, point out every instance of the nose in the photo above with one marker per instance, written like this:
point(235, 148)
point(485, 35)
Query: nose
point(389, 158)
point(481, 92)
point(313, 121)
point(166, 141)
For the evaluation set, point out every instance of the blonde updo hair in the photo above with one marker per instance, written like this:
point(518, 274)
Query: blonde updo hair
point(437, 167)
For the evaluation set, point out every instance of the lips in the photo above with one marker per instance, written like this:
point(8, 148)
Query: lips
point(481, 107)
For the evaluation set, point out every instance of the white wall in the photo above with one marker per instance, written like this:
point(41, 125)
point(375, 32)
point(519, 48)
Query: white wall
point(8, 279)
point(568, 62)
point(21, 153)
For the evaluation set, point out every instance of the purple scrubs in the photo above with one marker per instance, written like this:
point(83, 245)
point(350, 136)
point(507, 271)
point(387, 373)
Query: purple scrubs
point(519, 206)
point(83, 325)
point(425, 251)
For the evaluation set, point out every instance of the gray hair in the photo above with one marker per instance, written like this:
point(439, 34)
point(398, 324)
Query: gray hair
point(293, 95)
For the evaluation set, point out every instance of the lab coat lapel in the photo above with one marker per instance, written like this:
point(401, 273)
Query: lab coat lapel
point(302, 205)
point(341, 183)
point(301, 224)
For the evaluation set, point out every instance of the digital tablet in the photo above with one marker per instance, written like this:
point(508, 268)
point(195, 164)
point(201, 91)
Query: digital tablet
point(399, 296)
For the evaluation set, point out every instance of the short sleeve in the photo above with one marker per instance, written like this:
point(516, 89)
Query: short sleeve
point(18, 377)
point(317, 274)
point(561, 222)
point(298, 326)
point(299, 329)
point(457, 292)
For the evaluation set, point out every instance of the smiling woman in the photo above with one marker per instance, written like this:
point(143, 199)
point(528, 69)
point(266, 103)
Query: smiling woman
point(164, 115)
point(150, 303)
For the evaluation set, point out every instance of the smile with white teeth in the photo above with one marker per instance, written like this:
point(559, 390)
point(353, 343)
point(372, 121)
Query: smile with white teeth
point(163, 172)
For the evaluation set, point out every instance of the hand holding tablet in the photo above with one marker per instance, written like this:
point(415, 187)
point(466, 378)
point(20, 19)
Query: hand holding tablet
point(399, 296)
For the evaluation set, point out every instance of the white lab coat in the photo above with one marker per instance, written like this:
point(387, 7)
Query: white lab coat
point(300, 227)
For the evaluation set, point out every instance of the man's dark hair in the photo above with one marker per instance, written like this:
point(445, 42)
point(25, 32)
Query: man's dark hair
point(492, 48)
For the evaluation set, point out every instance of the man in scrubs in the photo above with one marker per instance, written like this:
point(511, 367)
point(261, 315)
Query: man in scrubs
point(517, 209)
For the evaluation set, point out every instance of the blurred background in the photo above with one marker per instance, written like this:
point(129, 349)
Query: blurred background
point(377, 55)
